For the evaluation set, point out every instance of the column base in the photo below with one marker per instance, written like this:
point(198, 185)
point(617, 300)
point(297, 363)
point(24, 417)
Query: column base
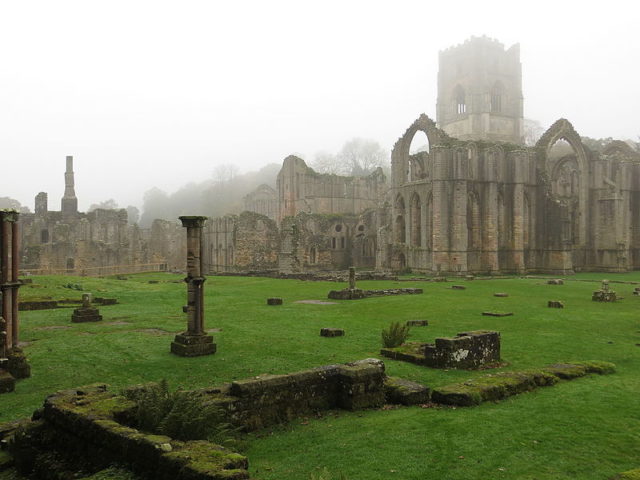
point(82, 315)
point(185, 345)
point(7, 382)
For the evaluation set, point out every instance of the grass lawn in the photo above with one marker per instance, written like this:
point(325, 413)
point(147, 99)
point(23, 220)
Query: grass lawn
point(585, 429)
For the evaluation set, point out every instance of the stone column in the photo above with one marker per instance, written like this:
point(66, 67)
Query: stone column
point(352, 278)
point(440, 205)
point(9, 284)
point(520, 168)
point(194, 341)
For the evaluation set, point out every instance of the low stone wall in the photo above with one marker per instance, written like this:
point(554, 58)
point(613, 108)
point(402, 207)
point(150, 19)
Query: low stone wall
point(357, 294)
point(312, 276)
point(270, 399)
point(86, 430)
point(465, 350)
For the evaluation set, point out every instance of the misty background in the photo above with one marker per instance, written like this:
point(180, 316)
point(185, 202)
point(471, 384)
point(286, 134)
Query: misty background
point(184, 107)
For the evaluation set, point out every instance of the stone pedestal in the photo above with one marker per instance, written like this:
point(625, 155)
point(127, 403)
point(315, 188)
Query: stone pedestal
point(86, 313)
point(194, 342)
point(187, 345)
point(82, 314)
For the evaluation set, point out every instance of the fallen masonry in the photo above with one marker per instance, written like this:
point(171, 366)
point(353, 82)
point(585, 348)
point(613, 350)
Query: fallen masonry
point(555, 304)
point(497, 314)
point(467, 350)
point(605, 294)
point(274, 301)
point(86, 313)
point(331, 332)
point(417, 323)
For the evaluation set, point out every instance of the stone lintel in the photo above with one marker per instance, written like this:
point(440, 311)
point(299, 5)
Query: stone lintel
point(192, 221)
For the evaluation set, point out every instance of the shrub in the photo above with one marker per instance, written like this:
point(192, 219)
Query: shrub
point(395, 335)
point(180, 415)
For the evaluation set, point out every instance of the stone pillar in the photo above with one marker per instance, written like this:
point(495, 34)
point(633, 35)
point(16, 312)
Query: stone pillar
point(69, 200)
point(9, 284)
point(194, 342)
point(440, 233)
point(520, 170)
point(489, 259)
point(459, 227)
point(352, 278)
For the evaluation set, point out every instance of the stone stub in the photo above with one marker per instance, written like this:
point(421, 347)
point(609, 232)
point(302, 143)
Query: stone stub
point(555, 304)
point(331, 332)
point(497, 314)
point(85, 314)
point(185, 345)
point(7, 382)
point(604, 296)
point(346, 294)
point(405, 392)
point(458, 287)
point(417, 323)
point(274, 301)
point(555, 281)
point(501, 294)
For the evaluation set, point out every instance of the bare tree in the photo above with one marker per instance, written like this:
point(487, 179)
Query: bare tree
point(325, 162)
point(110, 204)
point(357, 157)
point(533, 130)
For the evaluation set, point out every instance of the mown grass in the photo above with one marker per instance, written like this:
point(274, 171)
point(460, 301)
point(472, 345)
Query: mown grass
point(587, 429)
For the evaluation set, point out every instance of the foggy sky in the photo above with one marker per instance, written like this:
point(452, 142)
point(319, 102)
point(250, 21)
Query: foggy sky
point(156, 93)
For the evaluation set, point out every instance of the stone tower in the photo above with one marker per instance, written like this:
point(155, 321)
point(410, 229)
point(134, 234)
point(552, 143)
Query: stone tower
point(480, 91)
point(69, 200)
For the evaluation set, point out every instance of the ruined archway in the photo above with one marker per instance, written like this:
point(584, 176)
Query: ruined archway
point(563, 130)
point(399, 224)
point(401, 153)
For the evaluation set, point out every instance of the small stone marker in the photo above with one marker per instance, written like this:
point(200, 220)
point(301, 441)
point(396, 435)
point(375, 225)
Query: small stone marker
point(458, 287)
point(332, 332)
point(636, 291)
point(417, 323)
point(352, 278)
point(555, 304)
point(500, 294)
point(555, 281)
point(86, 313)
point(274, 301)
point(470, 277)
point(497, 314)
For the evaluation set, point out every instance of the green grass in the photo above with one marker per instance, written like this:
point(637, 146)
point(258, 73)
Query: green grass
point(588, 428)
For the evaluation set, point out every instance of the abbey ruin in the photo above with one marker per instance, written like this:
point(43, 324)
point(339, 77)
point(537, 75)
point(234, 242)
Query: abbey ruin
point(477, 200)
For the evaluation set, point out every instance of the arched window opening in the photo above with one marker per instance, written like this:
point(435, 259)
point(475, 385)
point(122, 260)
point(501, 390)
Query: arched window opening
point(526, 223)
point(44, 236)
point(460, 100)
point(313, 253)
point(70, 264)
point(400, 229)
point(333, 243)
point(429, 223)
point(560, 149)
point(497, 93)
point(473, 223)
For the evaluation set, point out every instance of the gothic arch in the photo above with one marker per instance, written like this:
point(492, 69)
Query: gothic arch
point(563, 130)
point(401, 149)
point(459, 99)
point(429, 222)
point(399, 224)
point(497, 100)
point(474, 222)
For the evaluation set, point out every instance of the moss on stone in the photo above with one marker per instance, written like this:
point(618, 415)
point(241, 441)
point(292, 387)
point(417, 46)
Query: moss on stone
point(207, 458)
point(629, 475)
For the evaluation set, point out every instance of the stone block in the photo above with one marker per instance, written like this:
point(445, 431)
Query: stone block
point(458, 287)
point(17, 364)
point(501, 294)
point(274, 301)
point(7, 382)
point(497, 314)
point(417, 323)
point(555, 281)
point(331, 332)
point(193, 345)
point(82, 314)
point(555, 304)
point(405, 392)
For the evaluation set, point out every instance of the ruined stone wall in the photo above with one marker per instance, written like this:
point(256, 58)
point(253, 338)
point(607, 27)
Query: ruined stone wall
point(497, 207)
point(301, 189)
point(262, 200)
point(245, 242)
